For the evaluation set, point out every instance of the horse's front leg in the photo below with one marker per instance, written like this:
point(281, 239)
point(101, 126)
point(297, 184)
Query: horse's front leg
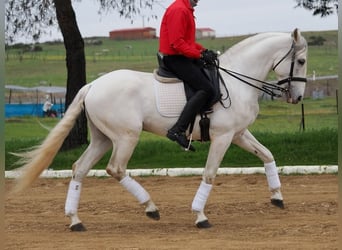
point(248, 142)
point(218, 147)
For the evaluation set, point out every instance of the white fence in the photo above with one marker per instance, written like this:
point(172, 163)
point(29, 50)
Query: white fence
point(285, 170)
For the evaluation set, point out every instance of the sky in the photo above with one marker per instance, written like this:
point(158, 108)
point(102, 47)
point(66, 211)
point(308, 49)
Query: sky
point(227, 18)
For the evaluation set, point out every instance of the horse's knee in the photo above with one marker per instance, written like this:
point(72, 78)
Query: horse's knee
point(116, 172)
point(265, 155)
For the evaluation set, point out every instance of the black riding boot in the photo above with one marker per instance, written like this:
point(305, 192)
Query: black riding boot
point(192, 107)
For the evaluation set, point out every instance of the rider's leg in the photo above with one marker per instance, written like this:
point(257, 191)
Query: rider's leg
point(192, 107)
point(193, 76)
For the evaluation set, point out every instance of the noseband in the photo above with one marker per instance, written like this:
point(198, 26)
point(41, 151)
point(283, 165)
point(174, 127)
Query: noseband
point(290, 78)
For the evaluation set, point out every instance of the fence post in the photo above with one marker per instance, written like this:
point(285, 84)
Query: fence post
point(337, 101)
point(302, 122)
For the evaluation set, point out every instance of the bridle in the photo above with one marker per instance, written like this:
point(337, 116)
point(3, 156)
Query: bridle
point(290, 78)
point(267, 87)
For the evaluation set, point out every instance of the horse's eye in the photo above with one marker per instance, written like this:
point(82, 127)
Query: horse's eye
point(301, 61)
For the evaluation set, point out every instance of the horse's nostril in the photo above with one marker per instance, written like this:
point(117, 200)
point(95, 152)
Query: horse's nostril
point(299, 98)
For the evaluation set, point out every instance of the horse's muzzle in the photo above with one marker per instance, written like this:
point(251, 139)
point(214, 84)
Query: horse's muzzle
point(294, 101)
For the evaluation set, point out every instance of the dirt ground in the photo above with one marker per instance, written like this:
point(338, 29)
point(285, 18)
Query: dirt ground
point(238, 208)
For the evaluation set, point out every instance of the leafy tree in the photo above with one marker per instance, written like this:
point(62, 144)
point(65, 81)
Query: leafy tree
point(319, 7)
point(30, 18)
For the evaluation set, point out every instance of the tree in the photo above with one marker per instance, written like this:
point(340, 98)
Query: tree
point(31, 17)
point(27, 18)
point(76, 67)
point(319, 7)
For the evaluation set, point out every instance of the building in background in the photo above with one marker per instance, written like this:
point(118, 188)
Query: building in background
point(205, 33)
point(133, 34)
point(150, 33)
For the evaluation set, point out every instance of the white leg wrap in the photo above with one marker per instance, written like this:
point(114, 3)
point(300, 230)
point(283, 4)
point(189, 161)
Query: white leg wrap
point(135, 189)
point(73, 197)
point(272, 175)
point(201, 196)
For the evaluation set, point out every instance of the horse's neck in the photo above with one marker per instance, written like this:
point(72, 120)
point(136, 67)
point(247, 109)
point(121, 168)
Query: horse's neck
point(254, 56)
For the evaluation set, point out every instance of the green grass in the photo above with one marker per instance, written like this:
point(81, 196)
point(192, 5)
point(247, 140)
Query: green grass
point(49, 65)
point(277, 127)
point(314, 147)
point(278, 116)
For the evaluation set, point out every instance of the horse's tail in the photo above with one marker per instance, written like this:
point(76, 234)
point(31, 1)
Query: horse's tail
point(41, 156)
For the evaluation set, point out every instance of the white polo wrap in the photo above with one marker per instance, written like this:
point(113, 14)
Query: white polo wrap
point(135, 189)
point(201, 196)
point(272, 175)
point(73, 197)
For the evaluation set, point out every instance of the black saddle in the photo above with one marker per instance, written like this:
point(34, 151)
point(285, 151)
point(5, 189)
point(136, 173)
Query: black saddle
point(163, 71)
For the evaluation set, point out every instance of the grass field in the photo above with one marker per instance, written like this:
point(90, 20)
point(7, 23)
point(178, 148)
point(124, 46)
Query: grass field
point(278, 125)
point(48, 66)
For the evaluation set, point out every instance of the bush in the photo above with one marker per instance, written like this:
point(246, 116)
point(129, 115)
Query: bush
point(316, 41)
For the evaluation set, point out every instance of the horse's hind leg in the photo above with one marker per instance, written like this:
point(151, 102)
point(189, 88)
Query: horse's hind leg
point(122, 152)
point(99, 145)
point(248, 142)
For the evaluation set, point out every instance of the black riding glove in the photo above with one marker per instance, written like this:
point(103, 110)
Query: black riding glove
point(209, 57)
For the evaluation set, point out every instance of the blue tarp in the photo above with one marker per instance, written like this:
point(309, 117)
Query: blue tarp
point(17, 110)
point(33, 107)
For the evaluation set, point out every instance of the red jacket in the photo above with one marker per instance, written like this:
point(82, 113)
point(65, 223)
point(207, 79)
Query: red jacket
point(178, 31)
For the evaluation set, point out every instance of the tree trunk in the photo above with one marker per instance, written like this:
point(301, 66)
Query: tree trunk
point(75, 62)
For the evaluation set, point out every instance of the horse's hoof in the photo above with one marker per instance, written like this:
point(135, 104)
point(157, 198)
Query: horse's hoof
point(203, 224)
point(153, 215)
point(278, 203)
point(78, 228)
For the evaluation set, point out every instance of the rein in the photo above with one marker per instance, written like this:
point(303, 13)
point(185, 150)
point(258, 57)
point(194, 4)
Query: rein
point(267, 87)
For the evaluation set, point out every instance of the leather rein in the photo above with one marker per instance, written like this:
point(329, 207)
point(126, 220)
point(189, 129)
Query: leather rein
point(267, 87)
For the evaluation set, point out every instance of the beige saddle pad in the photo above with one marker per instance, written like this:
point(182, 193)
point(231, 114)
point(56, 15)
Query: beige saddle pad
point(170, 97)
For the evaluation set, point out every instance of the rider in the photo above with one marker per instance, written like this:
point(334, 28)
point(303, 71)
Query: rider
point(184, 57)
point(47, 108)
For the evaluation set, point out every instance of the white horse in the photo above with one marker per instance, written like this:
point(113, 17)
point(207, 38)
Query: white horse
point(121, 104)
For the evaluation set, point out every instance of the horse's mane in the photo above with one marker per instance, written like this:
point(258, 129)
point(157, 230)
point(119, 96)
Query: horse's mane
point(247, 42)
point(255, 39)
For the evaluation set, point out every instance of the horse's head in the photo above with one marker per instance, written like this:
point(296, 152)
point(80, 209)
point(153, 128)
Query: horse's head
point(290, 68)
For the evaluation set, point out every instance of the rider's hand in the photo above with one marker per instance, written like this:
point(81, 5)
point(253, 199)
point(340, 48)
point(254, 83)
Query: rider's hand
point(209, 57)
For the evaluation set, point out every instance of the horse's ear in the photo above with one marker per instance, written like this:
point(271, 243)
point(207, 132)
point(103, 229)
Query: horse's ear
point(296, 35)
